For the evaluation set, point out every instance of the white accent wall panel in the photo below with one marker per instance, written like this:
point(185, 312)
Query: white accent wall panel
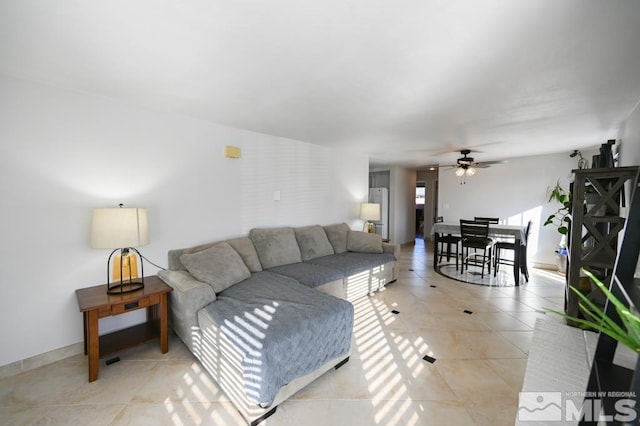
point(63, 153)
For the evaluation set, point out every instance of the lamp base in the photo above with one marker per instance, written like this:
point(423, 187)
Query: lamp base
point(125, 271)
point(125, 287)
point(370, 227)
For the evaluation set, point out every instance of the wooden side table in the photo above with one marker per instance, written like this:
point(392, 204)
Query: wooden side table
point(95, 303)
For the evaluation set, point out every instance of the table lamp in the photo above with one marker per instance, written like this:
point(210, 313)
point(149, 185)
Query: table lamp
point(121, 229)
point(369, 212)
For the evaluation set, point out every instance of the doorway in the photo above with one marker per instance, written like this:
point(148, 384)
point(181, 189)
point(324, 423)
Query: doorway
point(427, 207)
point(420, 211)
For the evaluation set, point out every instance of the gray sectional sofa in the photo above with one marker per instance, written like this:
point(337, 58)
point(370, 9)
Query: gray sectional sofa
point(269, 313)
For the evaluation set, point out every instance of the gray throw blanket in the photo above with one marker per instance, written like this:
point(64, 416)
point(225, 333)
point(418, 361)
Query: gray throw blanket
point(349, 263)
point(283, 329)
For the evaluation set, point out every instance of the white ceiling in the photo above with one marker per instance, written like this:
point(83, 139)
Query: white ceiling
point(406, 81)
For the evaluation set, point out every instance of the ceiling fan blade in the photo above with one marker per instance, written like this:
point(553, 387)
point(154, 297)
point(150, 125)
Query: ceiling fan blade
point(493, 162)
point(468, 162)
point(454, 148)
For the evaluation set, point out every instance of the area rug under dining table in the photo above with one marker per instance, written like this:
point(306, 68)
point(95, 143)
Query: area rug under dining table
point(504, 277)
point(507, 276)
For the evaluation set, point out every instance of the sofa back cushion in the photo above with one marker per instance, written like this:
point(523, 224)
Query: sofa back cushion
point(246, 250)
point(363, 242)
point(275, 246)
point(338, 235)
point(220, 266)
point(243, 245)
point(313, 242)
point(175, 264)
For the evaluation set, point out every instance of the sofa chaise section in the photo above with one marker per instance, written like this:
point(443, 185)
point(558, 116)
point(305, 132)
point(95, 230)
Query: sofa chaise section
point(273, 291)
point(270, 331)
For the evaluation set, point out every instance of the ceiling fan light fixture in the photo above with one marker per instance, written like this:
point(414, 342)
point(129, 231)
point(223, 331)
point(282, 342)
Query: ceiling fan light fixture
point(467, 166)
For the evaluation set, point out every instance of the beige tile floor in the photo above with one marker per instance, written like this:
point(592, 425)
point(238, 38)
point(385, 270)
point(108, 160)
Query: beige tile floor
point(479, 368)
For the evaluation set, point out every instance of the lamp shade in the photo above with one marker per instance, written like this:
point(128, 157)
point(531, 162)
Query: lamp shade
point(119, 227)
point(370, 211)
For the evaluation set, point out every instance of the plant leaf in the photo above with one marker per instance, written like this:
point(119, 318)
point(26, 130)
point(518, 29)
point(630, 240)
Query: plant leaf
point(620, 307)
point(596, 312)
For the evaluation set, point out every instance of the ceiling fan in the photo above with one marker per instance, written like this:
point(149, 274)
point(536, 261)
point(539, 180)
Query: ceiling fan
point(466, 166)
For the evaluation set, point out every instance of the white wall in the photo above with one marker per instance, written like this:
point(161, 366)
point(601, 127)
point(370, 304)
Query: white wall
point(515, 192)
point(402, 190)
point(630, 139)
point(402, 202)
point(64, 153)
point(630, 147)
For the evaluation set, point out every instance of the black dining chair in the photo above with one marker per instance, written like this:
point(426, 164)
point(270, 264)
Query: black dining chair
point(449, 241)
point(491, 220)
point(475, 235)
point(511, 245)
point(488, 219)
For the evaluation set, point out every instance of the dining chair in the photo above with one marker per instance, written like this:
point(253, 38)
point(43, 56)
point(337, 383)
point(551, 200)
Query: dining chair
point(488, 219)
point(475, 235)
point(510, 245)
point(448, 241)
point(491, 220)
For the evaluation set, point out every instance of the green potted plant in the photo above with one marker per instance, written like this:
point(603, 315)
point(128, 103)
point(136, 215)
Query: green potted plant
point(628, 334)
point(561, 219)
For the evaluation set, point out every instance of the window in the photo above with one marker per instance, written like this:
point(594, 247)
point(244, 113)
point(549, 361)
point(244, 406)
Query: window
point(420, 193)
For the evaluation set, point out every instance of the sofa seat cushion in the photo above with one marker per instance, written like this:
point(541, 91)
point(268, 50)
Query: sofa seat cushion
point(220, 266)
point(281, 330)
point(309, 274)
point(350, 263)
point(275, 246)
point(313, 242)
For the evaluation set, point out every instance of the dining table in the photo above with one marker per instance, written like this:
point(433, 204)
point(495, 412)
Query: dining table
point(496, 230)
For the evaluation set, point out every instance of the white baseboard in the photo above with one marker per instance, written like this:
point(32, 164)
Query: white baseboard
point(39, 360)
point(550, 266)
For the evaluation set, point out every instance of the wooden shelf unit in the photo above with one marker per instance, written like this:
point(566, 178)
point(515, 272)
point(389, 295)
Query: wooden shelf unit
point(597, 196)
point(610, 382)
